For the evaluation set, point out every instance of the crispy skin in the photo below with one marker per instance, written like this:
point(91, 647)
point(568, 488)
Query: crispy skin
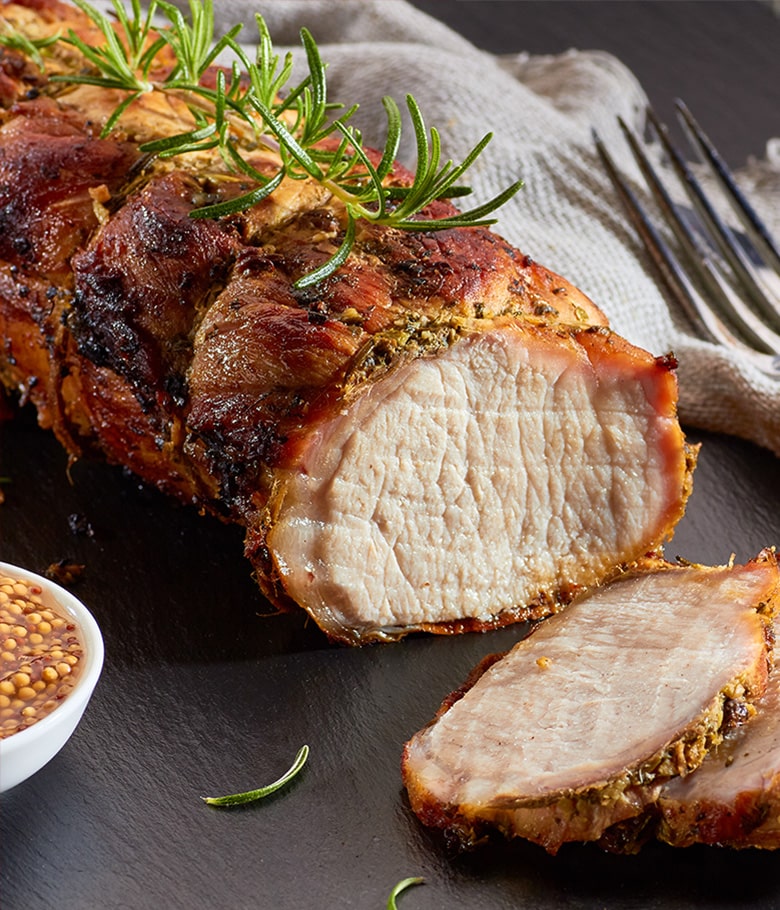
point(179, 347)
point(577, 728)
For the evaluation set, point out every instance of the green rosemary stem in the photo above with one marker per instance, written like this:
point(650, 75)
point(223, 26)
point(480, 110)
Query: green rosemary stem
point(249, 796)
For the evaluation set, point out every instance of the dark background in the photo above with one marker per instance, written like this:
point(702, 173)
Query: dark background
point(205, 693)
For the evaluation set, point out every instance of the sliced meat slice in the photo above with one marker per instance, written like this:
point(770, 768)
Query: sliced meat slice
point(580, 724)
point(480, 485)
point(733, 799)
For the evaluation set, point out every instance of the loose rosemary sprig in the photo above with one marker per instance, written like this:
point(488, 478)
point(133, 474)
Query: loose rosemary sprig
point(252, 105)
point(249, 796)
point(399, 888)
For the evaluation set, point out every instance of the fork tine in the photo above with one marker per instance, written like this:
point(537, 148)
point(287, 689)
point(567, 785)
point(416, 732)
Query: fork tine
point(723, 236)
point(731, 305)
point(753, 224)
point(676, 278)
point(685, 293)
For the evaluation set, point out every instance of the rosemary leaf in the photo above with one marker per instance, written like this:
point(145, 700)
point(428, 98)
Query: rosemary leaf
point(120, 109)
point(400, 887)
point(232, 206)
point(393, 138)
point(172, 143)
point(334, 262)
point(238, 799)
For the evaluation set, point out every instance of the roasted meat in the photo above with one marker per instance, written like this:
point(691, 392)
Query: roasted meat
point(581, 724)
point(442, 435)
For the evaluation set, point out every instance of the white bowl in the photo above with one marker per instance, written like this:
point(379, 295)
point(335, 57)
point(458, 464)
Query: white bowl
point(25, 752)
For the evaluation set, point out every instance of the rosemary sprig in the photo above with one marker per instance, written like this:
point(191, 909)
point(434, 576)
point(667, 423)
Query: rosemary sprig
point(249, 796)
point(253, 105)
point(399, 888)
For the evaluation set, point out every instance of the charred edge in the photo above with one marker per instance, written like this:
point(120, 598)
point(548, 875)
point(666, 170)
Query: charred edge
point(60, 367)
point(716, 824)
point(629, 836)
point(257, 552)
point(667, 362)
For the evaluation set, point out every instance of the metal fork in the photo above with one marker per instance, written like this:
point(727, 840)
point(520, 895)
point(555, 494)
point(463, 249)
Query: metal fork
point(730, 288)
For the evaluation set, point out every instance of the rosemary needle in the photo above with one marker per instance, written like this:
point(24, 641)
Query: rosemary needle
point(238, 799)
point(402, 886)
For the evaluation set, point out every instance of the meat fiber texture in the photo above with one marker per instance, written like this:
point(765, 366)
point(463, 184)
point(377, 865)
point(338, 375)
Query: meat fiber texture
point(605, 712)
point(444, 435)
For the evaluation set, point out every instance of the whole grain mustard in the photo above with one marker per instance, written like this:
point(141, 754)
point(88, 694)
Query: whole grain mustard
point(40, 655)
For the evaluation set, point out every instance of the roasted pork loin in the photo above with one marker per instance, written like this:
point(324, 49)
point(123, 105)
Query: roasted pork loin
point(580, 725)
point(442, 435)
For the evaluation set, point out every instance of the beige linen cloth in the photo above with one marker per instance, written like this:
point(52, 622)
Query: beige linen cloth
point(542, 111)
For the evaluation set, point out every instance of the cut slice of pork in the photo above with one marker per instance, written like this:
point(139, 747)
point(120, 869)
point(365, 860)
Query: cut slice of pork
point(577, 728)
point(485, 484)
